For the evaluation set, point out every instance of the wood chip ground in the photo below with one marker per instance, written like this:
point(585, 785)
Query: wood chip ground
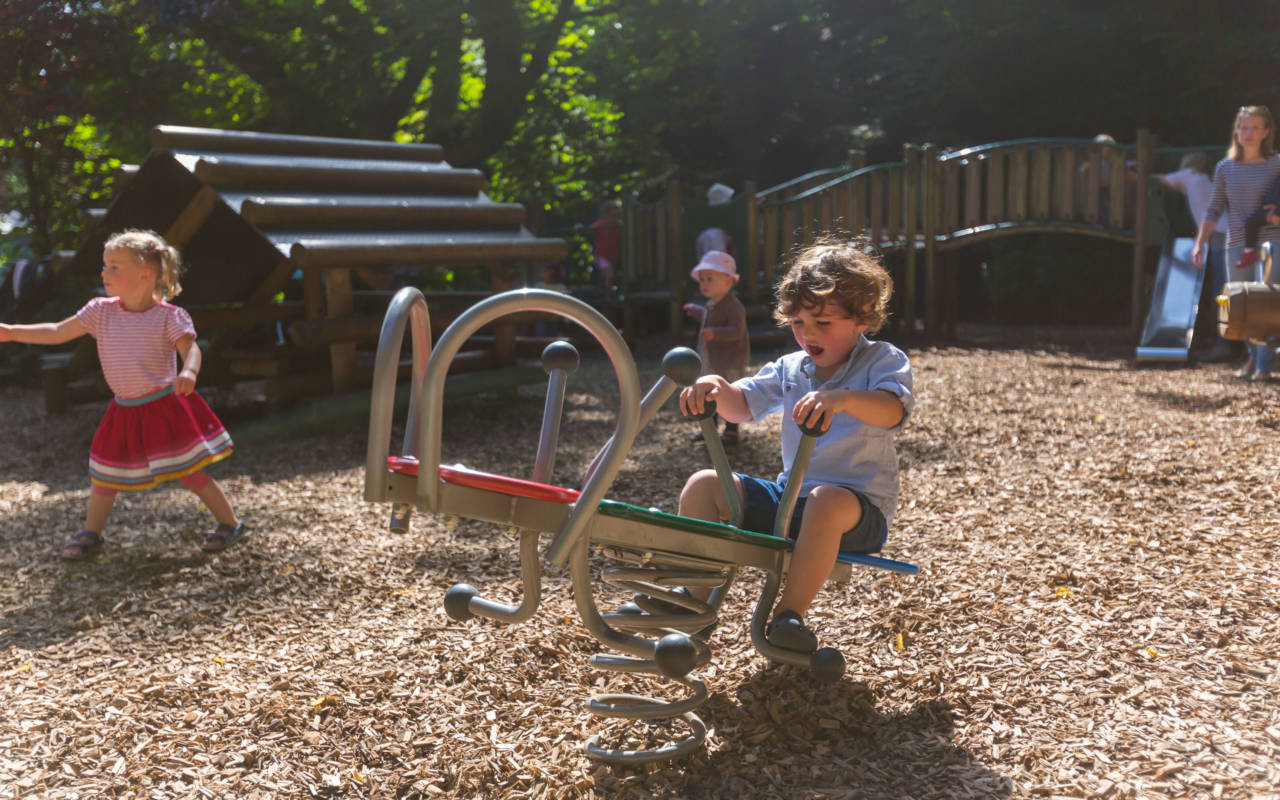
point(1096, 613)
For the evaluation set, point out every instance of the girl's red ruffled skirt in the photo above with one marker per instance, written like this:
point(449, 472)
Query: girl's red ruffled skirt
point(160, 437)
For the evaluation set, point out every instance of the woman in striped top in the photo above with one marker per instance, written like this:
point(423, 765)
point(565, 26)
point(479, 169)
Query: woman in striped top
point(1239, 182)
point(157, 428)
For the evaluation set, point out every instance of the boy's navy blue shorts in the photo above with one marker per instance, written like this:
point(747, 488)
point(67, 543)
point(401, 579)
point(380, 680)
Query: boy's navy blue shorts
point(760, 500)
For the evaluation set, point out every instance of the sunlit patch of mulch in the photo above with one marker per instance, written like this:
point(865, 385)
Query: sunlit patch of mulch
point(1096, 613)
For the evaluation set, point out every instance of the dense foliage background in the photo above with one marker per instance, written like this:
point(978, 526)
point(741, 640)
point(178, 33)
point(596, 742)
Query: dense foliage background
point(563, 102)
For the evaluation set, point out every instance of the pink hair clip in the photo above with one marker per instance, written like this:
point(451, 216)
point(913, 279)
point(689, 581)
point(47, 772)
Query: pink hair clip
point(152, 249)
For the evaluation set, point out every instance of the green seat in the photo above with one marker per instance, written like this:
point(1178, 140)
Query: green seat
point(612, 508)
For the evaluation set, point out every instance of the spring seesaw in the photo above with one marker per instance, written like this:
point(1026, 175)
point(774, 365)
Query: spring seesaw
point(662, 632)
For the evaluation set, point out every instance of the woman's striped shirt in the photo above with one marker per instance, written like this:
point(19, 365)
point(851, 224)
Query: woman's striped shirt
point(1238, 189)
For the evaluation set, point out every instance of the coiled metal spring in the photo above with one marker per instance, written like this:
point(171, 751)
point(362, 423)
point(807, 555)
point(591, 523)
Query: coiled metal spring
point(675, 654)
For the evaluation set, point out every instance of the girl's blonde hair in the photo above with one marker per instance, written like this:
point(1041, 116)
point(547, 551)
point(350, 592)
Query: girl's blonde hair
point(1235, 152)
point(154, 252)
point(840, 271)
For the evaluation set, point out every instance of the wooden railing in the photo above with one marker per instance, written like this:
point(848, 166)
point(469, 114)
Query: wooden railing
point(928, 204)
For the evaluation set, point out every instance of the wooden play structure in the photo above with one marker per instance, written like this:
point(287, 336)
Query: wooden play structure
point(920, 210)
point(251, 211)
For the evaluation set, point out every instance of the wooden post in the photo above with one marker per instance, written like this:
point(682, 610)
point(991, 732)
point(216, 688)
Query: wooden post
point(675, 275)
point(340, 302)
point(752, 252)
point(769, 219)
point(995, 187)
point(929, 198)
point(1018, 183)
point(876, 200)
point(910, 218)
point(1115, 189)
point(501, 279)
point(951, 196)
point(1139, 233)
point(1041, 181)
point(1066, 195)
point(630, 265)
point(191, 218)
point(973, 191)
point(1092, 182)
point(893, 225)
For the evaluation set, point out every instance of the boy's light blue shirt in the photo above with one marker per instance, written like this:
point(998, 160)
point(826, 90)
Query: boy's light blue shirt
point(851, 453)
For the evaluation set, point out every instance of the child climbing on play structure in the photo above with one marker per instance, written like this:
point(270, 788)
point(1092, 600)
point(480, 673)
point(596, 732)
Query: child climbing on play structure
point(856, 389)
point(723, 341)
point(157, 428)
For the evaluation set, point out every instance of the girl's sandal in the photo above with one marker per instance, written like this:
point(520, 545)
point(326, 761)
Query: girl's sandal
point(82, 544)
point(222, 537)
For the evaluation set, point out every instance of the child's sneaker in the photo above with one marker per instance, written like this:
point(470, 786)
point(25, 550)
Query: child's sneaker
point(1248, 257)
point(789, 632)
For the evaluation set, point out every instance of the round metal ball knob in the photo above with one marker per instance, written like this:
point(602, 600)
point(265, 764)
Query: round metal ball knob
point(827, 665)
point(675, 655)
point(457, 601)
point(560, 355)
point(682, 365)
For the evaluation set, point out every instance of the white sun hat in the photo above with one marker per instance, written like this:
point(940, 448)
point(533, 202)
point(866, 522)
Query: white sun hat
point(716, 261)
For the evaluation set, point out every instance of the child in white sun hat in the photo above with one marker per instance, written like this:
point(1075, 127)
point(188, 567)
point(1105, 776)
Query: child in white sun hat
point(723, 341)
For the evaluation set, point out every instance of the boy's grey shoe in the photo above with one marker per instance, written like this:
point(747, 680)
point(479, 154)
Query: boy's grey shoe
point(789, 632)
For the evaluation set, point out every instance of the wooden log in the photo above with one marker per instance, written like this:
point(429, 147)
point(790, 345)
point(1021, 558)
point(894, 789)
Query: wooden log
point(893, 225)
point(825, 212)
point(1041, 181)
point(752, 254)
point(910, 223)
point(191, 218)
point(875, 201)
point(951, 197)
point(1018, 183)
point(340, 302)
point(1116, 189)
point(932, 192)
point(677, 277)
point(859, 224)
point(973, 191)
point(1136, 301)
point(1093, 183)
point(1065, 182)
point(996, 187)
point(246, 316)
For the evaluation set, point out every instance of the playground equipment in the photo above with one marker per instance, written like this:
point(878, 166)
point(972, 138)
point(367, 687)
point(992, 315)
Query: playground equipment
point(1251, 310)
point(1175, 300)
point(250, 211)
point(925, 207)
point(649, 552)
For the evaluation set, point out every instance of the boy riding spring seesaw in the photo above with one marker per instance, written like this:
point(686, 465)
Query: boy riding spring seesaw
point(855, 389)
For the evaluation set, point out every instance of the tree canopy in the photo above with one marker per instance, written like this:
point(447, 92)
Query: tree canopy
point(563, 102)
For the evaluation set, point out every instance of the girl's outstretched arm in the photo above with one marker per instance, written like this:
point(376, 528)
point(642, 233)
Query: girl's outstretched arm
point(185, 383)
point(44, 332)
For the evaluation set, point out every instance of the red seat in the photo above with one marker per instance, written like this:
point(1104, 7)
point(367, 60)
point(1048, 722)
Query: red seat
point(407, 465)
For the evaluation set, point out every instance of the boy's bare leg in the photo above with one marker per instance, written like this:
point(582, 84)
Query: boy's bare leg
point(217, 503)
point(829, 512)
point(702, 498)
point(100, 505)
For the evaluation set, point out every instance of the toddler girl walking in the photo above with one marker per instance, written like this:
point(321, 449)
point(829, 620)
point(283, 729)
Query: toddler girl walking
point(157, 428)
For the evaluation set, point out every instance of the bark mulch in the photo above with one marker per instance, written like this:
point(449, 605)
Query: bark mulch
point(1096, 613)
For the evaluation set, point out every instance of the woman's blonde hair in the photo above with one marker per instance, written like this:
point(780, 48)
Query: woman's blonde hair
point(151, 248)
point(1234, 152)
point(840, 271)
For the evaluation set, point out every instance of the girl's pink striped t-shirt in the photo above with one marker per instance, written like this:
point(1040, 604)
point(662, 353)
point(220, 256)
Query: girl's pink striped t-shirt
point(136, 348)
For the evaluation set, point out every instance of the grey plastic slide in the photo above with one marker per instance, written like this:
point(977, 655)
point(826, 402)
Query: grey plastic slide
point(1175, 299)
